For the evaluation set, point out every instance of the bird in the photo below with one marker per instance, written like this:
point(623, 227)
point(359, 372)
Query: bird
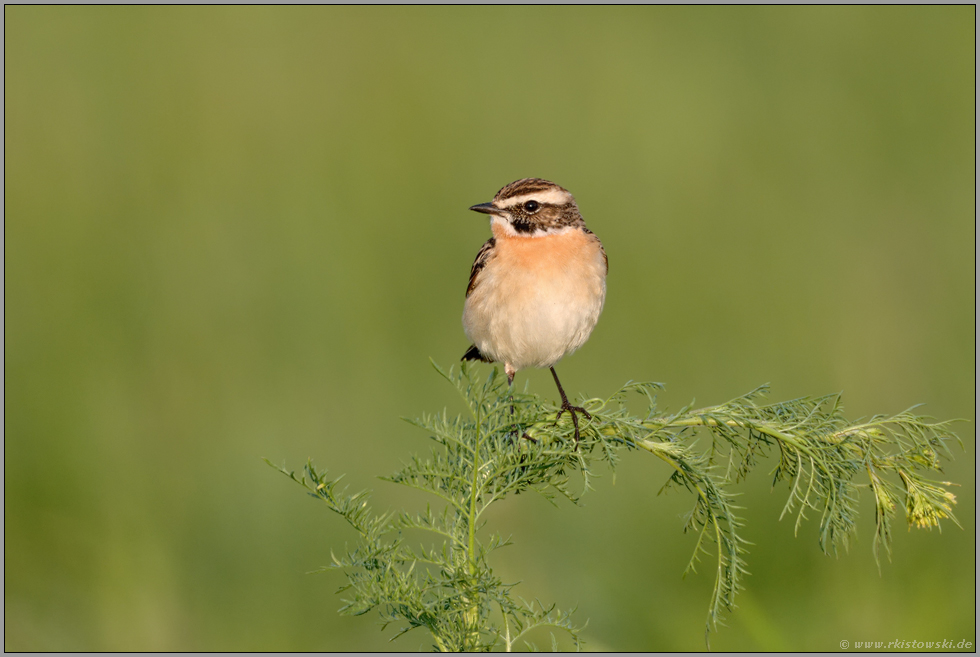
point(537, 287)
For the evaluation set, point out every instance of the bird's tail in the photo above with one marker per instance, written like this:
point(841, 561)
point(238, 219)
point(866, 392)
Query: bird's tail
point(474, 354)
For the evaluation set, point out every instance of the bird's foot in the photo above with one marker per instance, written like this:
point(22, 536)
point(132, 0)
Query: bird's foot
point(572, 410)
point(517, 433)
point(516, 428)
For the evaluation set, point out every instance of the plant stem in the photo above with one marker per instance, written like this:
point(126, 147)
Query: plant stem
point(471, 616)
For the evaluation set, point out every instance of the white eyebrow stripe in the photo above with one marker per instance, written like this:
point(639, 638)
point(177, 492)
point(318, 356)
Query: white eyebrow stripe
point(551, 196)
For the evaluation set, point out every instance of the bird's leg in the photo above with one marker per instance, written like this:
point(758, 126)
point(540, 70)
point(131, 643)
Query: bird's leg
point(510, 382)
point(565, 406)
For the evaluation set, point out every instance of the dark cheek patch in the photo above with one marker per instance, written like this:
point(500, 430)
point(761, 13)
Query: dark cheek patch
point(522, 225)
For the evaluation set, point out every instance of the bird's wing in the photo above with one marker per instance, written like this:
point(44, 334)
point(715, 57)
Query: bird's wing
point(599, 242)
point(482, 258)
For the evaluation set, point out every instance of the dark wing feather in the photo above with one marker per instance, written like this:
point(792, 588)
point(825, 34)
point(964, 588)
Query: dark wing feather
point(474, 354)
point(482, 258)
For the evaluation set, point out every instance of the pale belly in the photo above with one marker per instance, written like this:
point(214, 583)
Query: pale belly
point(530, 312)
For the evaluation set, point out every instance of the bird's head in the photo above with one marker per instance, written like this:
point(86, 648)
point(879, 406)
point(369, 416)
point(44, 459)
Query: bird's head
point(531, 207)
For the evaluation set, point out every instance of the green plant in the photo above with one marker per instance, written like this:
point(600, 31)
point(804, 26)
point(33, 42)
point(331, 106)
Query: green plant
point(513, 443)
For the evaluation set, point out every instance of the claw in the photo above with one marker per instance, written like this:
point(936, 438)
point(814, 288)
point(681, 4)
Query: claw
point(572, 410)
point(565, 406)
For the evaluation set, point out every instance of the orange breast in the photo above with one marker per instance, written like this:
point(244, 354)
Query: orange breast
point(548, 255)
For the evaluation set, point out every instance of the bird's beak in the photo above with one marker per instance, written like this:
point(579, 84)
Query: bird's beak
point(486, 208)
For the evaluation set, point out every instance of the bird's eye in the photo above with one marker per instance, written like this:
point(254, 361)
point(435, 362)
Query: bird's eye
point(531, 207)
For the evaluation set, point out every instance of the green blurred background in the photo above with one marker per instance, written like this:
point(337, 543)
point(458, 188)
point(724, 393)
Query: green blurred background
point(241, 233)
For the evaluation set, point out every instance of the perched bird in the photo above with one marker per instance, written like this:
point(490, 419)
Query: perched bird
point(537, 286)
